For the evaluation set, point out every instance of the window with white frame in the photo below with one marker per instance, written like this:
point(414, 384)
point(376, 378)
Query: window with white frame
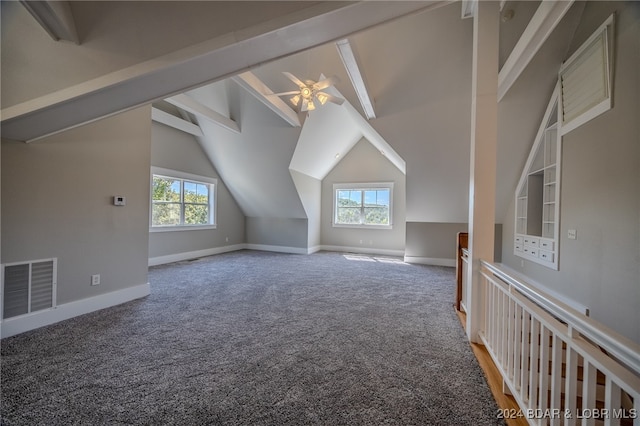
point(363, 205)
point(181, 200)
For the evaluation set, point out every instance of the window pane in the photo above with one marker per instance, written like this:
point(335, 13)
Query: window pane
point(348, 215)
point(166, 189)
point(197, 193)
point(383, 197)
point(376, 215)
point(190, 189)
point(165, 214)
point(370, 198)
point(376, 197)
point(196, 214)
point(203, 193)
point(356, 197)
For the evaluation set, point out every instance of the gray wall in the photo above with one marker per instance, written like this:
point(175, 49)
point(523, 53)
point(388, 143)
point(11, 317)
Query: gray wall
point(600, 195)
point(176, 150)
point(310, 192)
point(274, 231)
point(364, 163)
point(427, 122)
point(439, 240)
point(57, 202)
point(433, 240)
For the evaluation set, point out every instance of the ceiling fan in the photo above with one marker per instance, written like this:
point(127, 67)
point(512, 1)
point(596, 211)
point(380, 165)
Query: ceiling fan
point(309, 94)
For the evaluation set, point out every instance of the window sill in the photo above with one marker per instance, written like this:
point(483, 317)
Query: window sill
point(339, 225)
point(181, 228)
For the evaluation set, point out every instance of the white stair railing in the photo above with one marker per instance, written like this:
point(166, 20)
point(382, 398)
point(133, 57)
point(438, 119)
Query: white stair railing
point(561, 366)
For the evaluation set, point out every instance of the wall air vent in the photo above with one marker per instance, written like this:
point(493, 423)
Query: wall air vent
point(585, 79)
point(28, 287)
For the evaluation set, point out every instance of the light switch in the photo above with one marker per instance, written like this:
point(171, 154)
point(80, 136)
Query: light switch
point(572, 234)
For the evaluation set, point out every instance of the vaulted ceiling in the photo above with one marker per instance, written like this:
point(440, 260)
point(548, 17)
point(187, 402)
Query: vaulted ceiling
point(415, 58)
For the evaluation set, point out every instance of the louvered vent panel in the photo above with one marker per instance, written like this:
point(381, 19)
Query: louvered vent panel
point(585, 81)
point(29, 287)
point(41, 285)
point(16, 290)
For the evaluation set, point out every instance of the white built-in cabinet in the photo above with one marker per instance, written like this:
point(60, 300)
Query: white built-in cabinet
point(538, 194)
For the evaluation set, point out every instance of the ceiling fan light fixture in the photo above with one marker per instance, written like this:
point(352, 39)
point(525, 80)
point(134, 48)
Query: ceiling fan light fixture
point(322, 98)
point(309, 96)
point(306, 92)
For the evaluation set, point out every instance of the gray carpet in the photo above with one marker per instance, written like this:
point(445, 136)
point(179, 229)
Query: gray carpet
point(256, 338)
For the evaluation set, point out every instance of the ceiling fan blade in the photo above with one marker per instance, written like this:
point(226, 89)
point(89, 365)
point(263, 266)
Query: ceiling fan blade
point(294, 79)
point(334, 99)
point(292, 92)
point(323, 84)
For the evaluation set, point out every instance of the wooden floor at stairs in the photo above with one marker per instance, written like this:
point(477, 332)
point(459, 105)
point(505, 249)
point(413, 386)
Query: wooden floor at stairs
point(506, 402)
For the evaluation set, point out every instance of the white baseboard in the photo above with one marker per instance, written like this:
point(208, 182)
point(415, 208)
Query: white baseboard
point(363, 250)
point(17, 325)
point(153, 261)
point(434, 261)
point(178, 257)
point(277, 249)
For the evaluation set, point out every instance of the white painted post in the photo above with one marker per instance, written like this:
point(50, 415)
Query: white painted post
point(482, 169)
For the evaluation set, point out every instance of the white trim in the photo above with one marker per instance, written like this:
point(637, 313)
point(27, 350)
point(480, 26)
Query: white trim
point(23, 323)
point(468, 8)
point(213, 199)
point(196, 65)
point(434, 261)
point(363, 250)
point(253, 85)
point(544, 21)
point(178, 123)
point(362, 187)
point(606, 30)
point(173, 228)
point(277, 249)
point(177, 257)
point(182, 175)
point(56, 19)
point(191, 105)
point(188, 255)
point(355, 75)
point(314, 249)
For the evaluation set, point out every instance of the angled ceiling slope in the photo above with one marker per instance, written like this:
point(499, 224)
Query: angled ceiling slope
point(196, 65)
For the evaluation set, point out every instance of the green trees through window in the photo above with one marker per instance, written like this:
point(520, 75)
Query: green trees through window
point(179, 202)
point(363, 206)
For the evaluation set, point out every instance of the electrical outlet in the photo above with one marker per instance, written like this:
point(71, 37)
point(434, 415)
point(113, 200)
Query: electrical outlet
point(572, 234)
point(226, 239)
point(95, 279)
